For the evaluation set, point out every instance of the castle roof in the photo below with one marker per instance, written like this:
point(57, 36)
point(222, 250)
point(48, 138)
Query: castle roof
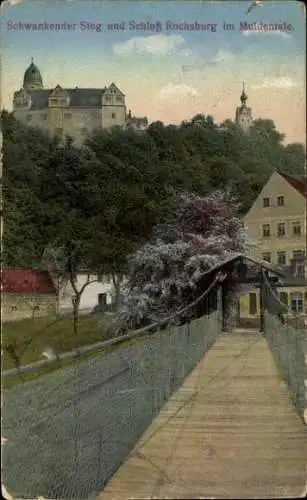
point(79, 98)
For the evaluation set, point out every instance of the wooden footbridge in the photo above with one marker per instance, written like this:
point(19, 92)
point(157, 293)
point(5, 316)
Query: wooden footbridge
point(230, 431)
point(188, 411)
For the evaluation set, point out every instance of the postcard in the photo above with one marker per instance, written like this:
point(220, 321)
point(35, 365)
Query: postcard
point(153, 237)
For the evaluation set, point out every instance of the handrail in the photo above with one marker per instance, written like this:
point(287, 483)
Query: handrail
point(117, 340)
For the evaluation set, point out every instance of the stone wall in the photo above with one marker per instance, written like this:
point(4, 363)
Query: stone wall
point(19, 306)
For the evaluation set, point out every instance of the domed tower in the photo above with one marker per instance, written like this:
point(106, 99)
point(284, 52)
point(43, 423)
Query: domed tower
point(243, 113)
point(32, 79)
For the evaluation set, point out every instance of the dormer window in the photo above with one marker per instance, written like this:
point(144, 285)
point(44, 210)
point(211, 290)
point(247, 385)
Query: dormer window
point(59, 97)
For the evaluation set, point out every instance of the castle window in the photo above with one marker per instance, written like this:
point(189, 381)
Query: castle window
point(280, 201)
point(266, 202)
point(296, 228)
point(281, 258)
point(113, 115)
point(266, 231)
point(281, 229)
point(266, 256)
point(67, 115)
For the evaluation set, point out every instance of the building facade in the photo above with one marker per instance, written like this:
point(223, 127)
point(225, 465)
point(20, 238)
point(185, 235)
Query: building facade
point(276, 224)
point(74, 112)
point(243, 118)
point(99, 294)
point(27, 293)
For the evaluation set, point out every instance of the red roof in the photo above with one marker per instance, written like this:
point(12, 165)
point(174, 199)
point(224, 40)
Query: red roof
point(26, 281)
point(300, 186)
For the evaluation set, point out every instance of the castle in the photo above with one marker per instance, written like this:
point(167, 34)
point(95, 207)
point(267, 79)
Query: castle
point(77, 112)
point(74, 112)
point(243, 118)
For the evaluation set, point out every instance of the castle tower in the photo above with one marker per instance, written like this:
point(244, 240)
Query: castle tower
point(243, 113)
point(32, 79)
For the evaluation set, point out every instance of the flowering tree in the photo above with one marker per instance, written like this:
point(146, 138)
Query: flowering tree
point(203, 233)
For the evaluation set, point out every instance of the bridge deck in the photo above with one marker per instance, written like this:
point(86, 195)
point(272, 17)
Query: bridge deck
point(229, 432)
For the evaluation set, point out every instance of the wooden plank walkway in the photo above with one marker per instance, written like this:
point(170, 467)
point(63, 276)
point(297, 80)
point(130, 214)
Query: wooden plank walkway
point(229, 432)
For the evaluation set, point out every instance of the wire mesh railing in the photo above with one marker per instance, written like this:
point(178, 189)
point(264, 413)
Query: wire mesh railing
point(289, 348)
point(68, 432)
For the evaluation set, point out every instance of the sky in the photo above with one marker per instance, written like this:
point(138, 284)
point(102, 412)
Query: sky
point(167, 73)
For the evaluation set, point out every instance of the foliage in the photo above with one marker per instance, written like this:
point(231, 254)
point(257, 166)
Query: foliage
point(164, 273)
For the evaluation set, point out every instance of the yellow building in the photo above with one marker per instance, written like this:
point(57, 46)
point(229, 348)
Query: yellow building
point(276, 225)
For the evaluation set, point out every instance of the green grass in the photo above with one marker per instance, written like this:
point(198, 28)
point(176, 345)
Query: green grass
point(94, 323)
point(29, 337)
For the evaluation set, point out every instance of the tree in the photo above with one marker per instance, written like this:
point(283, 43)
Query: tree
point(164, 273)
point(63, 263)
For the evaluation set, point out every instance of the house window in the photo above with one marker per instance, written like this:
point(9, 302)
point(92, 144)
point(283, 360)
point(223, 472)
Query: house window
point(284, 298)
point(281, 258)
point(53, 101)
point(14, 308)
point(298, 254)
point(99, 278)
point(266, 231)
point(36, 308)
point(29, 118)
point(266, 256)
point(113, 115)
point(280, 201)
point(44, 116)
point(252, 303)
point(297, 302)
point(296, 228)
point(119, 99)
point(266, 202)
point(281, 229)
point(67, 115)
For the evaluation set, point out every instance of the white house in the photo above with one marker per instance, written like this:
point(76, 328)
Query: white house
point(100, 290)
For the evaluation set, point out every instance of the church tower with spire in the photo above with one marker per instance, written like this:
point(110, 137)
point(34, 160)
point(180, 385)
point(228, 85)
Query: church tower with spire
point(243, 113)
